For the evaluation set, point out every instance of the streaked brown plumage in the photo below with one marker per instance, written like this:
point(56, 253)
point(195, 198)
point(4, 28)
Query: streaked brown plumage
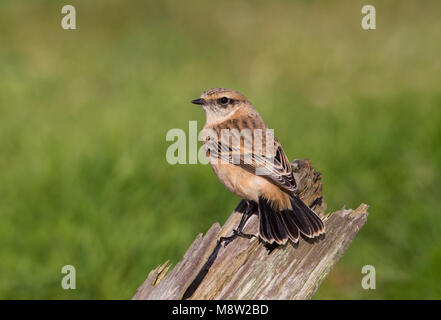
point(252, 164)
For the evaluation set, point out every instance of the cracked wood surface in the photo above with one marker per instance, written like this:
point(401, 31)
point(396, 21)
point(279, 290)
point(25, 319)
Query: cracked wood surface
point(246, 269)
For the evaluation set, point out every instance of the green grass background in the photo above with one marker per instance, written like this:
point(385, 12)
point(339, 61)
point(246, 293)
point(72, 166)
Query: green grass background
point(84, 115)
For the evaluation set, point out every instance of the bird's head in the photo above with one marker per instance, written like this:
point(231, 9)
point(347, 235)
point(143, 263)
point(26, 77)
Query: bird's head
point(219, 103)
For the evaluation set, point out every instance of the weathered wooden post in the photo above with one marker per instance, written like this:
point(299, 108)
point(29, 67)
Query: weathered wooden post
point(246, 269)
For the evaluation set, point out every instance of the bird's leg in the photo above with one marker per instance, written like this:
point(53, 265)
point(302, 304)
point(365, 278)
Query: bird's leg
point(245, 216)
point(238, 231)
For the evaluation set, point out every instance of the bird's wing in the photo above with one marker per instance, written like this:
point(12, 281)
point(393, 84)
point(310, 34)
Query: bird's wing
point(275, 167)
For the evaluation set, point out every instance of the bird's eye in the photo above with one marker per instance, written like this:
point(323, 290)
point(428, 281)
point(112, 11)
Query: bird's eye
point(224, 100)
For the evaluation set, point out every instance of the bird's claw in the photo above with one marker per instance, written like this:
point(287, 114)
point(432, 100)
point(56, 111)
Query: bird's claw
point(239, 233)
point(236, 233)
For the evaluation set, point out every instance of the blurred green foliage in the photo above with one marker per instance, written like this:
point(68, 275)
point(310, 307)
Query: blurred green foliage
point(84, 115)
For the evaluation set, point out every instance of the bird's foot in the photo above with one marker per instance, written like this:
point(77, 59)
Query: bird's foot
point(236, 233)
point(239, 233)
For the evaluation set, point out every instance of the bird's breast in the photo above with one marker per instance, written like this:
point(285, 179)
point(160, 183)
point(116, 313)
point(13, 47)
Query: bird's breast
point(238, 180)
point(249, 186)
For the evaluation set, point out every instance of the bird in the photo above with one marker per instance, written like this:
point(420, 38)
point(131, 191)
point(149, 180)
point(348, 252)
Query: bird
point(252, 164)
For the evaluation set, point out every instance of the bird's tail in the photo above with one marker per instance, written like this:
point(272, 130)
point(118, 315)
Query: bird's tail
point(281, 226)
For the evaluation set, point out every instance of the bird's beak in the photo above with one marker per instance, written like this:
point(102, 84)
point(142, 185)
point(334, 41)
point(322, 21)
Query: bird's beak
point(198, 101)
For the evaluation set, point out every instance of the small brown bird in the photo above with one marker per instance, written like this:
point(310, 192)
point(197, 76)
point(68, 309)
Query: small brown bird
point(254, 167)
